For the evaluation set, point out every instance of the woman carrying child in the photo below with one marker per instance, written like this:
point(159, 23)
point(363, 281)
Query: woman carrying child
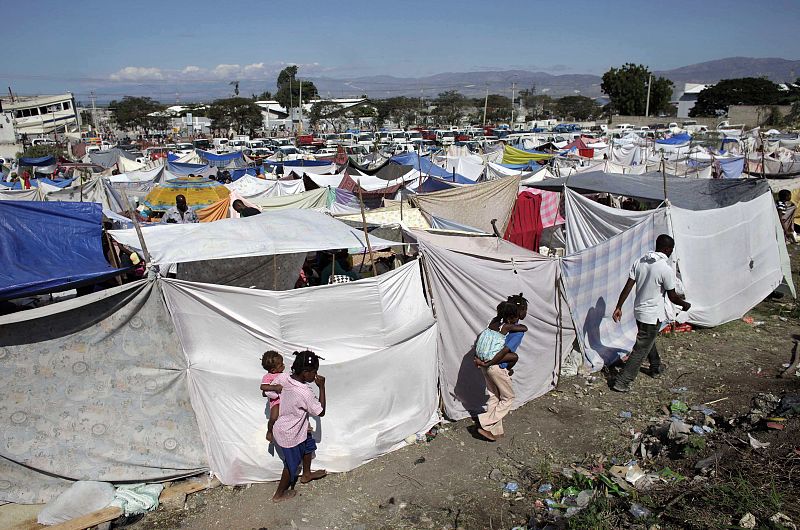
point(290, 432)
point(496, 357)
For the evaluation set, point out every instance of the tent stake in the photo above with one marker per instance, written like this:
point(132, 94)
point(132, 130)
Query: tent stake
point(366, 234)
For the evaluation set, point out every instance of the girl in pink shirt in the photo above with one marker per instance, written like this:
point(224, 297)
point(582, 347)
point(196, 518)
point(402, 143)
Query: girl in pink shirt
point(290, 433)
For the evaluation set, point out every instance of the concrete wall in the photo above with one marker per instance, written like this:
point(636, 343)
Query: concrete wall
point(754, 115)
point(639, 121)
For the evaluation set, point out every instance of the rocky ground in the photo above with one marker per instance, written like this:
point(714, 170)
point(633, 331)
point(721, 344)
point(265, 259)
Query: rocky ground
point(571, 452)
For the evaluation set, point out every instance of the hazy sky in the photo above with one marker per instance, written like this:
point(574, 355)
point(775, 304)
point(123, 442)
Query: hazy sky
point(57, 45)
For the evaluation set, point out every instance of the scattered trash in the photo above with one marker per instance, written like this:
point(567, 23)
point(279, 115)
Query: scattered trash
point(789, 405)
point(775, 425)
point(639, 511)
point(678, 407)
point(698, 430)
point(748, 520)
point(782, 520)
point(545, 488)
point(755, 444)
point(625, 414)
point(758, 323)
point(678, 431)
point(747, 320)
point(669, 474)
point(496, 474)
point(420, 460)
point(764, 404)
point(553, 410)
point(705, 410)
point(584, 498)
point(431, 434)
point(679, 390)
point(511, 487)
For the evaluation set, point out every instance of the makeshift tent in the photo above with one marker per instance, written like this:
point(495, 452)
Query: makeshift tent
point(474, 206)
point(269, 233)
point(94, 388)
point(47, 247)
point(525, 227)
point(199, 192)
point(579, 145)
point(254, 187)
point(429, 169)
point(391, 215)
point(20, 195)
point(110, 158)
point(692, 194)
point(146, 175)
point(94, 190)
point(221, 160)
point(367, 332)
point(512, 155)
point(468, 277)
point(317, 199)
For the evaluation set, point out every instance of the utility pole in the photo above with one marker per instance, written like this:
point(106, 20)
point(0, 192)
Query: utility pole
point(300, 104)
point(647, 107)
point(486, 104)
point(513, 94)
point(291, 104)
point(94, 111)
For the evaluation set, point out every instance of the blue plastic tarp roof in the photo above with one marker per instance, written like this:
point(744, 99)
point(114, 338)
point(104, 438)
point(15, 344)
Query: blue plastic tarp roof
point(433, 184)
point(50, 246)
point(48, 160)
point(213, 157)
point(676, 139)
point(426, 167)
point(183, 168)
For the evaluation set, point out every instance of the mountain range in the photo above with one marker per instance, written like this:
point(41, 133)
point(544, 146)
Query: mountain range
point(475, 83)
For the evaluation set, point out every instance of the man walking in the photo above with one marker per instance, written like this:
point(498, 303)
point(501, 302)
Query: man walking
point(653, 277)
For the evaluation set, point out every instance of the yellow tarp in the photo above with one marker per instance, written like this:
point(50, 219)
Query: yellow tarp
point(512, 155)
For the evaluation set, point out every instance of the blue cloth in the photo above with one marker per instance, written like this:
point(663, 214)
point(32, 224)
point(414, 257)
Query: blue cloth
point(489, 344)
point(433, 184)
point(676, 139)
point(183, 169)
point(514, 339)
point(213, 157)
point(426, 167)
point(50, 246)
point(732, 168)
point(306, 163)
point(293, 456)
point(41, 161)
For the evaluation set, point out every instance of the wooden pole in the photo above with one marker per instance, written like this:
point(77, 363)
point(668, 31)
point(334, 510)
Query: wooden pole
point(664, 175)
point(138, 228)
point(366, 234)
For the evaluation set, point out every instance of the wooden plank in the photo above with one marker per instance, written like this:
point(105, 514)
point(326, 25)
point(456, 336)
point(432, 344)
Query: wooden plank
point(89, 520)
point(186, 487)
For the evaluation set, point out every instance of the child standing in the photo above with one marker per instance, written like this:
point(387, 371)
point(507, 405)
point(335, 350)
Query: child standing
point(272, 362)
point(291, 435)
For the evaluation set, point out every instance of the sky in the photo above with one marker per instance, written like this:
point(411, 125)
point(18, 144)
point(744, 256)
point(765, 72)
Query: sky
point(53, 46)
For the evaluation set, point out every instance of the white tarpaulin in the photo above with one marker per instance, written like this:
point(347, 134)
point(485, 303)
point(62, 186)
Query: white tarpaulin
point(590, 223)
point(151, 175)
point(326, 181)
point(269, 233)
point(378, 340)
point(251, 187)
point(32, 194)
point(469, 276)
point(317, 198)
point(309, 170)
point(728, 258)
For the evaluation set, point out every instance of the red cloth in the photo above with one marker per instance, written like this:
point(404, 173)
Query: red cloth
point(525, 227)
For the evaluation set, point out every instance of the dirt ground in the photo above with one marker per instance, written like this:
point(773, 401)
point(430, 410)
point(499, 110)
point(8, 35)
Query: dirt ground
point(457, 481)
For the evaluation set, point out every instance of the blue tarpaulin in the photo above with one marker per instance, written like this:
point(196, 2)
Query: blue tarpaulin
point(50, 246)
point(183, 168)
point(676, 139)
point(426, 167)
point(213, 157)
point(41, 161)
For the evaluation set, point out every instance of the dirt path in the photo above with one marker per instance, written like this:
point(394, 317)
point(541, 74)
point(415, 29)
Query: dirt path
point(446, 483)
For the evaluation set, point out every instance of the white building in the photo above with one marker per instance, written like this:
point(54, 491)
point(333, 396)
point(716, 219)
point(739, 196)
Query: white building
point(39, 115)
point(689, 97)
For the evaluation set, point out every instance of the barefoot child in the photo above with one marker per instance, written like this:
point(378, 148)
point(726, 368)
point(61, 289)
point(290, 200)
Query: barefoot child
point(272, 362)
point(490, 348)
point(290, 431)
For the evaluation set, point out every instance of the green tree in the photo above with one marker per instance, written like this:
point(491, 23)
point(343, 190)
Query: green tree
point(626, 87)
point(38, 151)
point(498, 108)
point(131, 113)
point(539, 105)
point(715, 100)
point(577, 108)
point(401, 110)
point(289, 89)
point(239, 114)
point(264, 96)
point(451, 106)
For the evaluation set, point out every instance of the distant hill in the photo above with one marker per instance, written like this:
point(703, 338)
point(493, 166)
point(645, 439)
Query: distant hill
point(775, 69)
point(474, 84)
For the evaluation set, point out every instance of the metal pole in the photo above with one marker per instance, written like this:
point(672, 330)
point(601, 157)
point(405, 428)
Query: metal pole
point(647, 107)
point(513, 94)
point(486, 104)
point(137, 227)
point(300, 106)
point(366, 234)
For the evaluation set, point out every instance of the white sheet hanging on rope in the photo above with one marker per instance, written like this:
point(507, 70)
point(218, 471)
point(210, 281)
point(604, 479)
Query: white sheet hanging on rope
point(378, 340)
point(269, 233)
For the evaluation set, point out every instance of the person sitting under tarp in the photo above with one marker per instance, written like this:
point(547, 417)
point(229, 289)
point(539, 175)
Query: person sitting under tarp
point(180, 213)
point(786, 210)
point(339, 269)
point(243, 210)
